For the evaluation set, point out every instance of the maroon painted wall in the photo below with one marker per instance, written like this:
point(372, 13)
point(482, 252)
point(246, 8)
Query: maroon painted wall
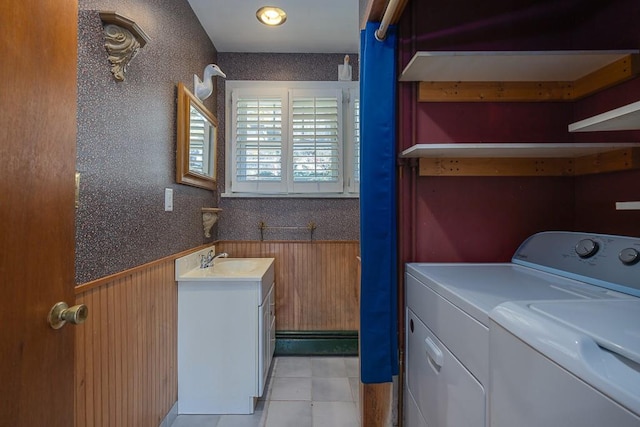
point(595, 195)
point(484, 219)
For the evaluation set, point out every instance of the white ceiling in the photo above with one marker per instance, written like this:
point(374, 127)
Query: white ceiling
point(312, 26)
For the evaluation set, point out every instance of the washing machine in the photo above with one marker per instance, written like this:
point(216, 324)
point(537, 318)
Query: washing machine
point(568, 363)
point(448, 306)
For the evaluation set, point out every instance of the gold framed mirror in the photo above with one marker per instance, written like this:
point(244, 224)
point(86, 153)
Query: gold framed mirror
point(197, 142)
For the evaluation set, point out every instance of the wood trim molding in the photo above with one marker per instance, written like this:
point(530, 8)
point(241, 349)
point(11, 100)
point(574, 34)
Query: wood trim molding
point(494, 91)
point(84, 287)
point(611, 161)
point(617, 160)
point(615, 73)
point(495, 167)
point(376, 402)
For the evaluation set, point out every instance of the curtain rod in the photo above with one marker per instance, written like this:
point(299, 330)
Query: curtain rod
point(390, 11)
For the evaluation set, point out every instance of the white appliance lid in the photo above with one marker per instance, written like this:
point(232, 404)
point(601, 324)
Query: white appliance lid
point(613, 325)
point(478, 288)
point(597, 340)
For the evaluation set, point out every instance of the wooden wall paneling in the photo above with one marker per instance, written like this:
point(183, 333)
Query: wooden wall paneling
point(126, 370)
point(316, 286)
point(126, 352)
point(132, 327)
point(125, 343)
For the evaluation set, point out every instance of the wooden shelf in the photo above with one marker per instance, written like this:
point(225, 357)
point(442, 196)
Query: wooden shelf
point(518, 159)
point(623, 118)
point(517, 76)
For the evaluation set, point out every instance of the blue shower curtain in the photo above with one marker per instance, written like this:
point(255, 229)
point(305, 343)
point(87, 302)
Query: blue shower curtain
point(378, 297)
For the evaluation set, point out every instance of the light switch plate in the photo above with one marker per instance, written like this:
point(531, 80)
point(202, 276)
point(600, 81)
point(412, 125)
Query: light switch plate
point(168, 199)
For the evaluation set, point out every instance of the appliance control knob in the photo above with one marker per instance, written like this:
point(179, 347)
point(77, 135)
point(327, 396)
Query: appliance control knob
point(586, 248)
point(629, 256)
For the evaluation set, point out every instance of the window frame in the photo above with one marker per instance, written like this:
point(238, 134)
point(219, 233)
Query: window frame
point(346, 187)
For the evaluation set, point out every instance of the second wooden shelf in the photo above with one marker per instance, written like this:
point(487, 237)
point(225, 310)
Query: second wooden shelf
point(517, 159)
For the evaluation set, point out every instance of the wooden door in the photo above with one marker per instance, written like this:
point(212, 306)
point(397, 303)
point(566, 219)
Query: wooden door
point(38, 56)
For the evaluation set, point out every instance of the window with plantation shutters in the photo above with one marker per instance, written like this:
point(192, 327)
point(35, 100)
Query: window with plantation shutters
point(291, 139)
point(316, 139)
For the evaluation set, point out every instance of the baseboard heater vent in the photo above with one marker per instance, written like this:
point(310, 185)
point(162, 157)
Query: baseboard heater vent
point(316, 343)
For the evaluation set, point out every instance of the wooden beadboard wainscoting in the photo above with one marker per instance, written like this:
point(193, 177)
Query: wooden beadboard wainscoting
point(126, 351)
point(316, 282)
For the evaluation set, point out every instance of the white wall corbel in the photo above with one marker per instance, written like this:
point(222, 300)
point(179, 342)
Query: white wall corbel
point(209, 217)
point(123, 40)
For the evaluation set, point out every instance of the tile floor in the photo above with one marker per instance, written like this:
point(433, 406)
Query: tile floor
point(301, 392)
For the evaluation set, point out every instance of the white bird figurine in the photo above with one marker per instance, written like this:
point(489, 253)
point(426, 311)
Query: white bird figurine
point(204, 88)
point(344, 70)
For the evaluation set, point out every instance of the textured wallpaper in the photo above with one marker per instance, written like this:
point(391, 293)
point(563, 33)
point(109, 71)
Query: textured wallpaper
point(127, 139)
point(127, 136)
point(336, 219)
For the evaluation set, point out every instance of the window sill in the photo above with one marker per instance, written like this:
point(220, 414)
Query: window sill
point(291, 196)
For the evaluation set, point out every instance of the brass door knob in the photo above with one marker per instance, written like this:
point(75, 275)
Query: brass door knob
point(61, 313)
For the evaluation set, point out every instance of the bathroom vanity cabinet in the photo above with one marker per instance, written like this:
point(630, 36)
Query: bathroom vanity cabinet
point(226, 340)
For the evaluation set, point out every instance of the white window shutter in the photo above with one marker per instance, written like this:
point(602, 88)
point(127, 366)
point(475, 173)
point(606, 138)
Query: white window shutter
point(354, 186)
point(316, 140)
point(259, 129)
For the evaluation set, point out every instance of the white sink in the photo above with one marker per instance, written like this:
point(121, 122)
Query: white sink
point(228, 269)
point(235, 265)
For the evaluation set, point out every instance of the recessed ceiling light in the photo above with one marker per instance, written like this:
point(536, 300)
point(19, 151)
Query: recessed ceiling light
point(272, 16)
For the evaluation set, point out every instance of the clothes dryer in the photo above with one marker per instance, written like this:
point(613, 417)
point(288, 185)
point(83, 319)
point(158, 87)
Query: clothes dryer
point(447, 314)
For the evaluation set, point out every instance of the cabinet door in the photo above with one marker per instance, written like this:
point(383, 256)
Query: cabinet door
point(266, 339)
point(272, 324)
point(263, 346)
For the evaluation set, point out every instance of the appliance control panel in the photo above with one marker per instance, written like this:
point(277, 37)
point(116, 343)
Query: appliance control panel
point(600, 259)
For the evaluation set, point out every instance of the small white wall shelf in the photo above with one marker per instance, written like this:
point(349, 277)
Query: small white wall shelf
point(513, 150)
point(209, 217)
point(523, 76)
point(516, 66)
point(628, 206)
point(623, 118)
point(123, 40)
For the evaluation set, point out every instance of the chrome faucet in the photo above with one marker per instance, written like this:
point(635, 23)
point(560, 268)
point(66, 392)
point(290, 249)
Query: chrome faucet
point(209, 259)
